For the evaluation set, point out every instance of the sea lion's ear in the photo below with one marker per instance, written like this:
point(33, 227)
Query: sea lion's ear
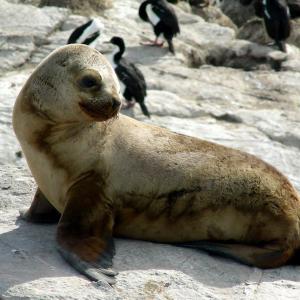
point(84, 233)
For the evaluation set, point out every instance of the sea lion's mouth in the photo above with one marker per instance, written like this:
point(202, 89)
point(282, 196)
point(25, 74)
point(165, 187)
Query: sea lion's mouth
point(102, 113)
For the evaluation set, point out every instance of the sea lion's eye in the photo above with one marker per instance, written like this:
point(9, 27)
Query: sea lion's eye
point(89, 81)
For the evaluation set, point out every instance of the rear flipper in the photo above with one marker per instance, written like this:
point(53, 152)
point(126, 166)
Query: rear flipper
point(267, 256)
point(40, 211)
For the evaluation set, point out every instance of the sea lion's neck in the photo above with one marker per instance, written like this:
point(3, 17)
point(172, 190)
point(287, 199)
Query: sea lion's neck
point(46, 127)
point(67, 150)
point(64, 144)
point(56, 136)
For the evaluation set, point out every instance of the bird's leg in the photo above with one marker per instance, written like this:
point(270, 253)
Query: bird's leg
point(156, 43)
point(128, 104)
point(153, 43)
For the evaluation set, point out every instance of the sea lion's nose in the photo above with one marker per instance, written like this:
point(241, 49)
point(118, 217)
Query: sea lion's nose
point(115, 103)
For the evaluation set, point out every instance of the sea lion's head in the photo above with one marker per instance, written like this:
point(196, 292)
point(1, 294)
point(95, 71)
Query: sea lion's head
point(74, 84)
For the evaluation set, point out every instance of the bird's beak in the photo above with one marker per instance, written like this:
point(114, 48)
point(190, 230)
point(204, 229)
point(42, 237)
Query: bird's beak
point(106, 42)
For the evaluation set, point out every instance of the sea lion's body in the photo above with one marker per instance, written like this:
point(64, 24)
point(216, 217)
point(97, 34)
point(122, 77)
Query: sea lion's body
point(125, 178)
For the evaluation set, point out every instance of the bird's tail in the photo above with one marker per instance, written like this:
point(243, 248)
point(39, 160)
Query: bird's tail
point(171, 46)
point(144, 109)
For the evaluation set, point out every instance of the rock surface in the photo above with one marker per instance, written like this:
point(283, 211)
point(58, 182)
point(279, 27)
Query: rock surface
point(237, 12)
point(255, 110)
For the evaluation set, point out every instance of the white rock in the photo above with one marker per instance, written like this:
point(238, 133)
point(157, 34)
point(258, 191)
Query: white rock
point(21, 28)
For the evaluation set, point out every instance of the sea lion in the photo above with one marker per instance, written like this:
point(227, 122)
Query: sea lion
point(115, 176)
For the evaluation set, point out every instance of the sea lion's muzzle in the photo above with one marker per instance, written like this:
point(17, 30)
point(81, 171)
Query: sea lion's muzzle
point(96, 100)
point(101, 109)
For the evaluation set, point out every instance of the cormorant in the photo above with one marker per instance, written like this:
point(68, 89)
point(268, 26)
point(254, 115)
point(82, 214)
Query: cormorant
point(163, 19)
point(132, 81)
point(86, 33)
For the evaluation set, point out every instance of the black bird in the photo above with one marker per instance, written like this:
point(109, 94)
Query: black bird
point(132, 81)
point(293, 5)
point(163, 19)
point(277, 21)
point(86, 33)
point(276, 15)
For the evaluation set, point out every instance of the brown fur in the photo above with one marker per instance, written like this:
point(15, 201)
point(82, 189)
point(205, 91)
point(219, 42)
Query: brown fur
point(86, 226)
point(125, 178)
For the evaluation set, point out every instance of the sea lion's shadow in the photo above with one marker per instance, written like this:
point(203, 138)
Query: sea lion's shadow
point(209, 270)
point(28, 253)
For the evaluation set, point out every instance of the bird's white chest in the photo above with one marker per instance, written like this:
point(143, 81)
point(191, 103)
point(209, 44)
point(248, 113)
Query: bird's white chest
point(153, 18)
point(89, 31)
point(110, 58)
point(122, 87)
point(266, 12)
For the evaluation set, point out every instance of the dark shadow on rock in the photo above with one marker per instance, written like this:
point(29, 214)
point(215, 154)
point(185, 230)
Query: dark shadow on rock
point(248, 56)
point(227, 117)
point(27, 253)
point(209, 270)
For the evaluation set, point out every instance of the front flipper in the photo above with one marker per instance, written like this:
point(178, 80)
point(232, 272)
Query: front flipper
point(84, 233)
point(96, 271)
point(40, 211)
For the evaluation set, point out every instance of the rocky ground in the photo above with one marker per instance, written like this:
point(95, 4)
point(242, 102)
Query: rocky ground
point(217, 87)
